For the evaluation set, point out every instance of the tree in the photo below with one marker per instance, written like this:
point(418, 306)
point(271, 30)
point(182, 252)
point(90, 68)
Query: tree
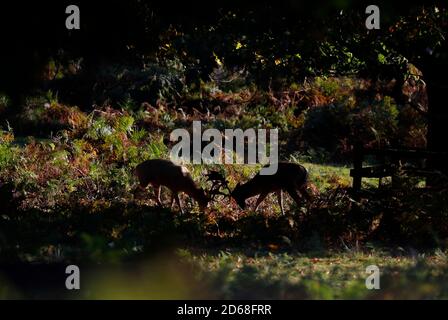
point(276, 42)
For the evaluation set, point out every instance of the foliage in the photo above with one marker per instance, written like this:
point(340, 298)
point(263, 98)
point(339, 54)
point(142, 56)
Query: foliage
point(351, 117)
point(151, 83)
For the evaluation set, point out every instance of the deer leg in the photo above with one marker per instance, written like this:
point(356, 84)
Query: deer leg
point(172, 200)
point(294, 195)
point(176, 196)
point(305, 193)
point(260, 199)
point(158, 192)
point(280, 201)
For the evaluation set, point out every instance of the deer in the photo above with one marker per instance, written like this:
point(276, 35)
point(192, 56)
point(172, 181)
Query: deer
point(218, 181)
point(290, 177)
point(177, 178)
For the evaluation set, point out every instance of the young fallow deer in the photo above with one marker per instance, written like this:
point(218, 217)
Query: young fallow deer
point(290, 177)
point(160, 172)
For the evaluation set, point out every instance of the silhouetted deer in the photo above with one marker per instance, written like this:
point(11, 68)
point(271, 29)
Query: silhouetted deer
point(290, 177)
point(160, 172)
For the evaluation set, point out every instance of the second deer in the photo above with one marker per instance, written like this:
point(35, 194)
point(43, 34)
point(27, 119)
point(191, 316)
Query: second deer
point(290, 177)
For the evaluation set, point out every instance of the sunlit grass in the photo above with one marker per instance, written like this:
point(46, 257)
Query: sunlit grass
point(326, 176)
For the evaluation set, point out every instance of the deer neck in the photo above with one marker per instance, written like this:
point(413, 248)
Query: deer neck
point(250, 189)
point(197, 194)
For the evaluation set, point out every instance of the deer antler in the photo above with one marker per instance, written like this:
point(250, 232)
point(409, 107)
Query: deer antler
point(218, 181)
point(213, 193)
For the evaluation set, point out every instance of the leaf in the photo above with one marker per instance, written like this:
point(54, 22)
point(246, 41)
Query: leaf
point(381, 58)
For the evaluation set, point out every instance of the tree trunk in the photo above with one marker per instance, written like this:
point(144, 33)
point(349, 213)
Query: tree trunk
point(437, 137)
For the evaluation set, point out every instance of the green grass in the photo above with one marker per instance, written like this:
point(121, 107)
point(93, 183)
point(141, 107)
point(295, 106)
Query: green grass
point(263, 274)
point(257, 273)
point(325, 176)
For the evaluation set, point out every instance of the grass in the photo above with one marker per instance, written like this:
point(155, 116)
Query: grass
point(326, 176)
point(249, 272)
point(261, 274)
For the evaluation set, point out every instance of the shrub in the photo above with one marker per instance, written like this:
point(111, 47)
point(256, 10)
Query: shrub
point(8, 154)
point(336, 127)
point(131, 85)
